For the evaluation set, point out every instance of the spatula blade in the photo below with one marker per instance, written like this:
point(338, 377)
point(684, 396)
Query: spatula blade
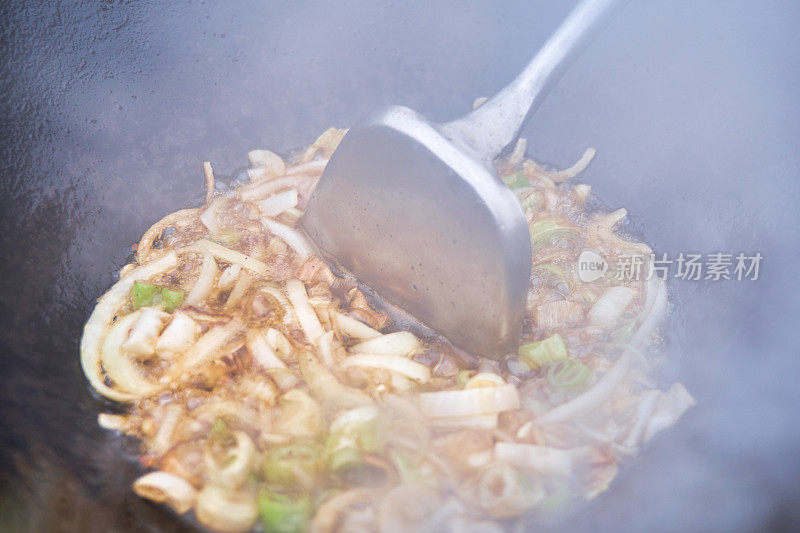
point(427, 228)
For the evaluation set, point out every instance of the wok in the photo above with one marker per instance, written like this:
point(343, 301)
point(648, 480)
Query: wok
point(108, 110)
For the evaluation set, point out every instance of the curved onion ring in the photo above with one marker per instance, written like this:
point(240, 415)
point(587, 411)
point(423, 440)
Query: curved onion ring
point(118, 366)
point(594, 396)
point(104, 312)
point(173, 219)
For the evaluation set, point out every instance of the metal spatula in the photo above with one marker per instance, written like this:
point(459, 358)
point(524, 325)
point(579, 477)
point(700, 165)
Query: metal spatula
point(415, 211)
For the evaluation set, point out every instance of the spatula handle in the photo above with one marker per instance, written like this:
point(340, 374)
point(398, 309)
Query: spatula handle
point(497, 123)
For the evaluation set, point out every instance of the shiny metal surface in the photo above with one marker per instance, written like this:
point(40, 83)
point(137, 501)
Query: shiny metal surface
point(415, 211)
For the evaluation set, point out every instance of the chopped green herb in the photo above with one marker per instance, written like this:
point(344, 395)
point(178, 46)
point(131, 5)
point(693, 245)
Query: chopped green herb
point(517, 180)
point(283, 513)
point(567, 374)
point(549, 350)
point(143, 294)
point(172, 298)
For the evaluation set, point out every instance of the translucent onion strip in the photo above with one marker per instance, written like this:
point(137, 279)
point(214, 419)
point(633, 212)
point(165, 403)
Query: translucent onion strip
point(395, 363)
point(355, 328)
point(163, 487)
point(278, 203)
point(266, 164)
point(205, 282)
point(488, 421)
point(263, 188)
point(312, 168)
point(229, 276)
point(289, 317)
point(118, 365)
point(326, 349)
point(232, 256)
point(178, 336)
point(143, 335)
point(209, 218)
point(544, 459)
point(590, 399)
point(400, 343)
point(207, 347)
point(209, 175)
point(224, 510)
point(183, 217)
point(607, 310)
point(305, 314)
point(238, 464)
point(468, 402)
point(107, 306)
point(578, 167)
point(262, 353)
point(291, 236)
point(243, 283)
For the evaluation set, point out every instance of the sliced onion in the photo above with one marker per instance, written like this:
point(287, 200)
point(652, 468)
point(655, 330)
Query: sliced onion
point(210, 182)
point(579, 166)
point(268, 162)
point(312, 168)
point(355, 328)
point(205, 282)
point(221, 509)
point(111, 421)
point(484, 379)
point(278, 203)
point(328, 514)
point(467, 402)
point(289, 317)
point(473, 421)
point(400, 343)
point(184, 217)
point(239, 288)
point(607, 310)
point(544, 459)
point(593, 397)
point(326, 349)
point(163, 487)
point(206, 347)
point(354, 418)
point(143, 336)
point(262, 353)
point(238, 466)
point(327, 387)
point(395, 363)
point(163, 439)
point(278, 342)
point(107, 306)
point(209, 218)
point(291, 236)
point(557, 314)
point(118, 365)
point(228, 277)
point(505, 493)
point(262, 189)
point(291, 216)
point(298, 296)
point(232, 256)
point(178, 336)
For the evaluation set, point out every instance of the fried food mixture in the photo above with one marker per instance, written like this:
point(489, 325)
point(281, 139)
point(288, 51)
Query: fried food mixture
point(269, 394)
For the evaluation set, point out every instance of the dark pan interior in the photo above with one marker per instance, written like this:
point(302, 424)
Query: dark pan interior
point(109, 108)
